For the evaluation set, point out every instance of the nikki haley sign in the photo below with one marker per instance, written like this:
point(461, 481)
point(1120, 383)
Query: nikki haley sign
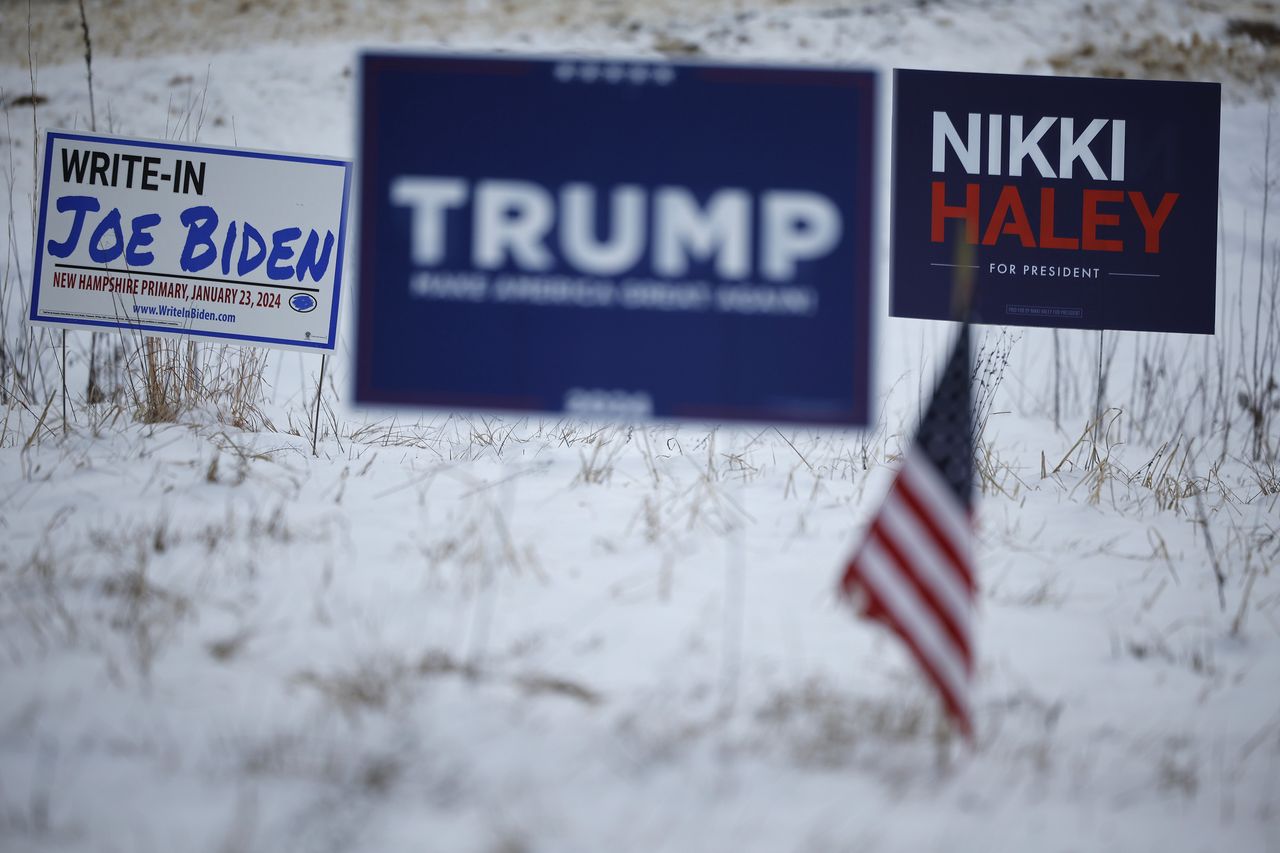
point(1088, 203)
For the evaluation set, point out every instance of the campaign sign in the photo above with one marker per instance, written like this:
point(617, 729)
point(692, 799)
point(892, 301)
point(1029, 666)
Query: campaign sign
point(1087, 204)
point(167, 238)
point(620, 239)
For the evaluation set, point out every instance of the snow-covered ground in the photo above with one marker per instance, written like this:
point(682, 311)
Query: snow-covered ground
point(476, 633)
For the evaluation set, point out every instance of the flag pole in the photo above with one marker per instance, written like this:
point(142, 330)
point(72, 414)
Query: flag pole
point(962, 287)
point(963, 257)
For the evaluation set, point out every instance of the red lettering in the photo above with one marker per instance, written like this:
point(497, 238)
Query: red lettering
point(1090, 241)
point(1009, 217)
point(942, 212)
point(1152, 224)
point(1047, 238)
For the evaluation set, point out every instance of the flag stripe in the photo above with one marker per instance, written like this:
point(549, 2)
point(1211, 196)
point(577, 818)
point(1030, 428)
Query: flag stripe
point(902, 601)
point(928, 598)
point(953, 703)
point(947, 524)
point(914, 624)
point(901, 518)
point(952, 517)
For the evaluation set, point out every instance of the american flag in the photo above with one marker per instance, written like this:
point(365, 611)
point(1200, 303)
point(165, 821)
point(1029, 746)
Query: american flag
point(914, 570)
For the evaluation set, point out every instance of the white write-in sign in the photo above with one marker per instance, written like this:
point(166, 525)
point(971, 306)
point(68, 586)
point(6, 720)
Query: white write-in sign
point(193, 240)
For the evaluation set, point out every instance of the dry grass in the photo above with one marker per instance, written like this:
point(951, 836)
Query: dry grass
point(143, 27)
point(377, 683)
point(1245, 54)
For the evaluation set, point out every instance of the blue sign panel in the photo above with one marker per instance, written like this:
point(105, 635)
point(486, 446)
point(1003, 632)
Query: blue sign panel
point(1087, 204)
point(617, 239)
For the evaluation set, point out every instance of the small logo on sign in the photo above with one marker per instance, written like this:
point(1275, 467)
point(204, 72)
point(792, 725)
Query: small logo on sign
point(302, 302)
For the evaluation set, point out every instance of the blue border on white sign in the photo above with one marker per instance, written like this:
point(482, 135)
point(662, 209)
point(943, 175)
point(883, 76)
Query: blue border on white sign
point(345, 165)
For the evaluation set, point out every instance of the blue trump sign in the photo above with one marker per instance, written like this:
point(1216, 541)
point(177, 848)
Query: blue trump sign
point(1088, 204)
point(615, 238)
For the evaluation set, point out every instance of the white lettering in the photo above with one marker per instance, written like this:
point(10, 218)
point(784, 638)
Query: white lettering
point(1020, 146)
point(995, 134)
point(945, 132)
point(577, 230)
point(512, 224)
point(967, 150)
point(797, 226)
point(511, 219)
point(1117, 149)
point(1070, 148)
point(723, 229)
point(429, 198)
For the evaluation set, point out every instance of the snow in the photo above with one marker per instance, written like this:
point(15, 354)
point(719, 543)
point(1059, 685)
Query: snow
point(480, 633)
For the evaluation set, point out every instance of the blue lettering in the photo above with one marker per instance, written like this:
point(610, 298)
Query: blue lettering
point(307, 260)
point(246, 263)
point(227, 244)
point(282, 251)
point(139, 239)
point(110, 224)
point(80, 205)
point(198, 252)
